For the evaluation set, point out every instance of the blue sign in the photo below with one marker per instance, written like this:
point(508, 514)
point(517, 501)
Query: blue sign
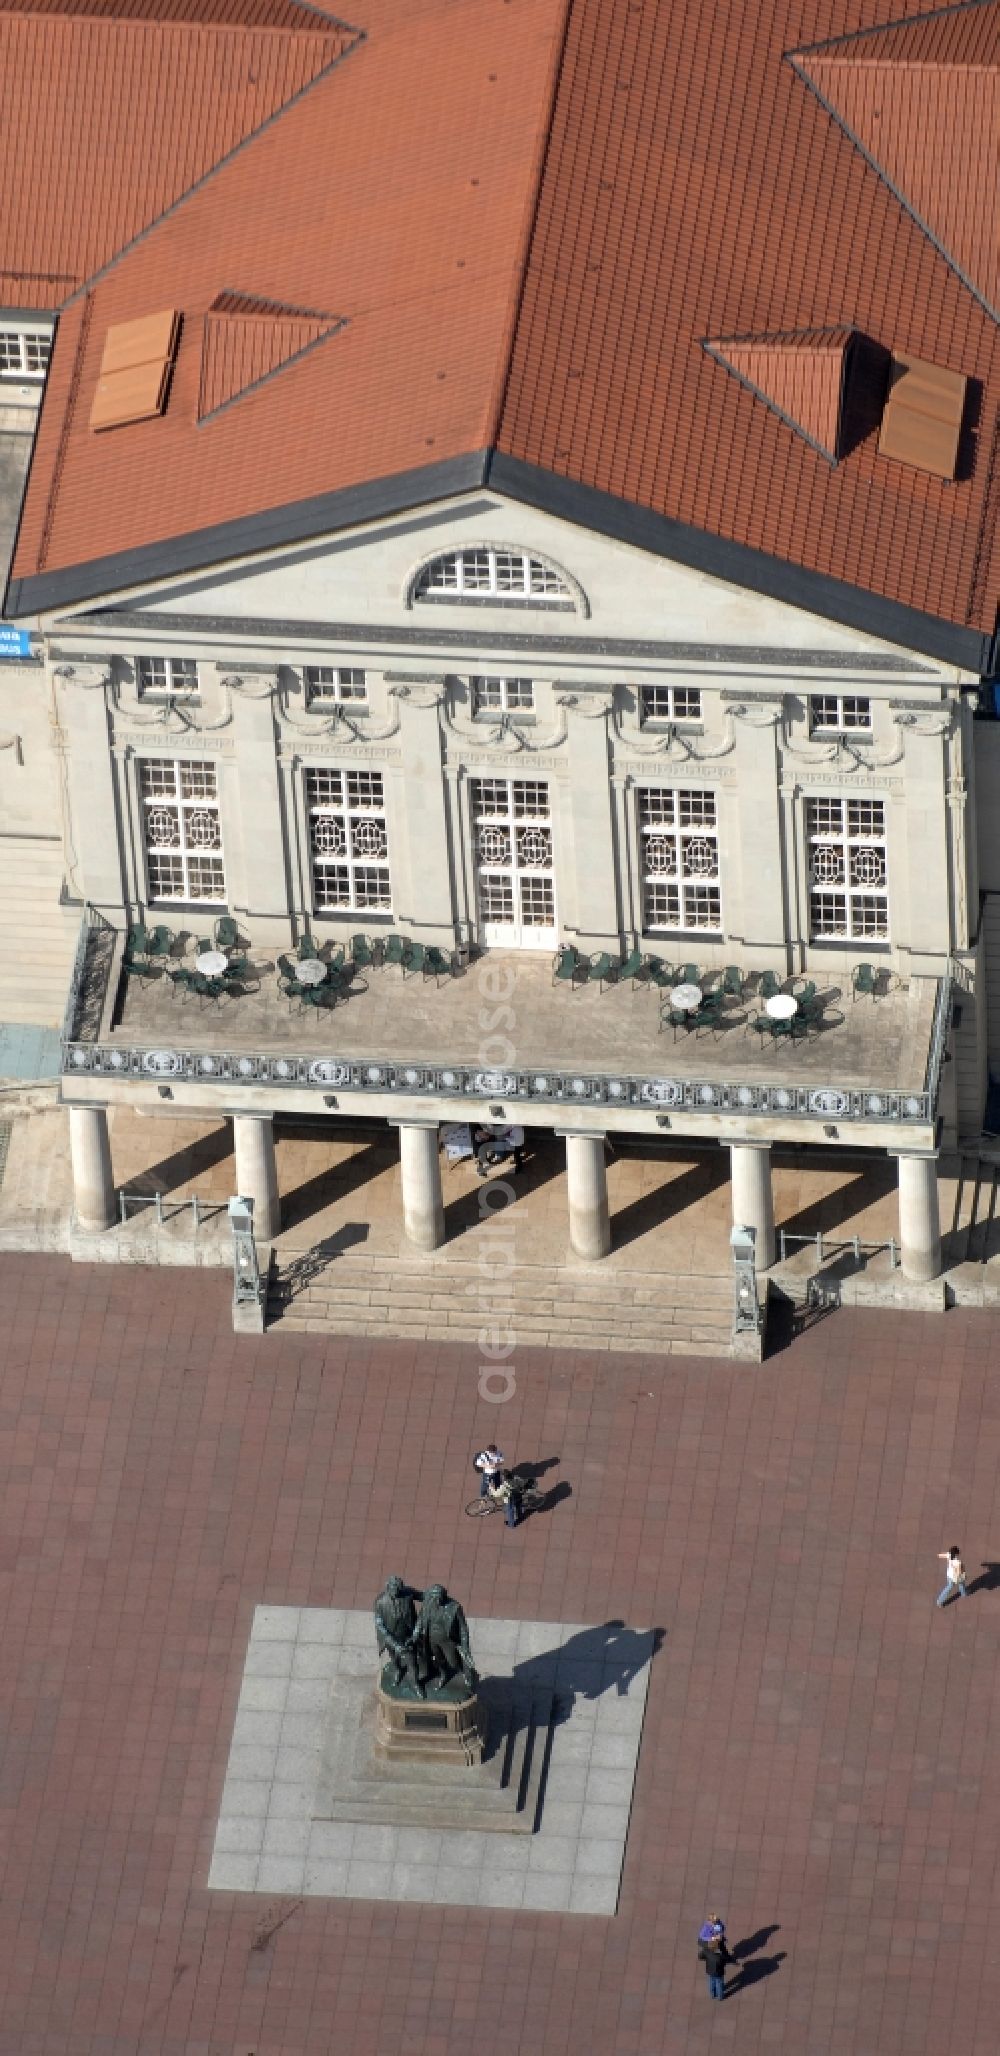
point(14, 642)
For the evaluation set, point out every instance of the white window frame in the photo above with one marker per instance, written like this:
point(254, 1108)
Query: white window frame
point(334, 685)
point(24, 353)
point(492, 695)
point(840, 713)
point(189, 788)
point(841, 848)
point(493, 574)
point(669, 703)
point(678, 828)
point(167, 678)
point(351, 800)
point(514, 883)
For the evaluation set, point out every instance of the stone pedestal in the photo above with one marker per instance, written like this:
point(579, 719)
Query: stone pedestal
point(437, 1729)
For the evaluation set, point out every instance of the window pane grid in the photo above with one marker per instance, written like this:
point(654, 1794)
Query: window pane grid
point(182, 831)
point(669, 703)
point(23, 355)
point(839, 712)
point(348, 840)
point(482, 573)
point(680, 858)
point(504, 695)
point(177, 676)
point(848, 877)
point(334, 682)
point(515, 856)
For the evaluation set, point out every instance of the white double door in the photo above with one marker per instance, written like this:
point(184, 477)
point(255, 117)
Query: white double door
point(515, 863)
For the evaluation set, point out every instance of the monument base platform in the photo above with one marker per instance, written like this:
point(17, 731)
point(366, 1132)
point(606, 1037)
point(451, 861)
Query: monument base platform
point(438, 1729)
point(406, 1783)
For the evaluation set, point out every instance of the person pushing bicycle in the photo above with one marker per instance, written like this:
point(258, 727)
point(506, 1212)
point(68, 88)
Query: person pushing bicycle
point(496, 1484)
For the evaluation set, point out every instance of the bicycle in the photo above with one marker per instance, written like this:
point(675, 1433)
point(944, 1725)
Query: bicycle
point(495, 1502)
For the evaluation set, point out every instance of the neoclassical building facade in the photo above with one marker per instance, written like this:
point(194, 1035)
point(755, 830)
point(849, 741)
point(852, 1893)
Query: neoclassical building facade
point(489, 730)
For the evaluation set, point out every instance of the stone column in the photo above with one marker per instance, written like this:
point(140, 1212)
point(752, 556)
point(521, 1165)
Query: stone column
point(587, 1193)
point(753, 1201)
point(93, 1184)
point(257, 1172)
point(420, 1169)
point(919, 1219)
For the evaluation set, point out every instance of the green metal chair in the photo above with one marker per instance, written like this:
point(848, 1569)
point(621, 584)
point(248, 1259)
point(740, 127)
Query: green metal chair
point(690, 975)
point(395, 950)
point(414, 957)
point(660, 974)
point(806, 993)
point(286, 967)
point(865, 981)
point(180, 978)
point(732, 982)
point(138, 968)
point(602, 968)
point(160, 942)
point(629, 966)
point(227, 935)
point(308, 950)
point(567, 964)
point(709, 1014)
point(137, 940)
point(363, 952)
point(436, 963)
point(770, 985)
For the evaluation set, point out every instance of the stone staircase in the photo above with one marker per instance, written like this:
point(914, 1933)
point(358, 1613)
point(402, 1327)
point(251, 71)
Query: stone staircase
point(439, 1298)
point(37, 936)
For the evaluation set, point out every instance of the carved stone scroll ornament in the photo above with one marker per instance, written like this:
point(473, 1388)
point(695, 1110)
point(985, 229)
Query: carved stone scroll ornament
point(92, 677)
point(672, 744)
point(337, 721)
point(505, 733)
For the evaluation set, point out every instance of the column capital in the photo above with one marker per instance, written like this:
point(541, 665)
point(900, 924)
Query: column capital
point(420, 1121)
point(248, 1113)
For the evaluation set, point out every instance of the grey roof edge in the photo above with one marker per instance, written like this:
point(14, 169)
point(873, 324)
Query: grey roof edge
point(794, 584)
point(584, 506)
point(352, 505)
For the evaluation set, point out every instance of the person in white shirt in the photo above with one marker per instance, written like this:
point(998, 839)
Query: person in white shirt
point(489, 1463)
point(954, 1577)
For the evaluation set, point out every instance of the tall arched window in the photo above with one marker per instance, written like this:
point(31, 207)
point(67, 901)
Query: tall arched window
point(497, 575)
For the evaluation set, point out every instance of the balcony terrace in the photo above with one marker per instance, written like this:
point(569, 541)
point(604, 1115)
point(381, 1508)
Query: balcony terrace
point(501, 1030)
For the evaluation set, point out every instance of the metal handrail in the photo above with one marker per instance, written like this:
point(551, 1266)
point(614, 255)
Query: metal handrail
point(200, 1212)
point(825, 1248)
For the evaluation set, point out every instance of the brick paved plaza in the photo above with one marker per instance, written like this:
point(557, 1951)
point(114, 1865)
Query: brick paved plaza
point(819, 1756)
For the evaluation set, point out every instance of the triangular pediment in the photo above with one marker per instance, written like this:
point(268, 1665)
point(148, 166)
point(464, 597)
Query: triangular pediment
point(921, 99)
point(799, 374)
point(247, 340)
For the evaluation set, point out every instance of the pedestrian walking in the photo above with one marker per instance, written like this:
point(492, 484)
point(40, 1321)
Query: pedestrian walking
point(714, 1954)
point(954, 1577)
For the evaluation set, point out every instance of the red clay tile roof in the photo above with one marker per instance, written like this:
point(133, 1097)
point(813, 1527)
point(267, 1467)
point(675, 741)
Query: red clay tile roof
point(922, 100)
point(530, 213)
point(108, 121)
point(800, 375)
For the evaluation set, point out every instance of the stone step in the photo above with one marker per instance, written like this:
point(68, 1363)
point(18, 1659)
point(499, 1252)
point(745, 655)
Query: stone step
point(37, 936)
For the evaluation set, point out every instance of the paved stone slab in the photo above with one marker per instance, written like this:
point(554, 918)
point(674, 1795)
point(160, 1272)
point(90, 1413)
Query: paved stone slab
point(337, 1824)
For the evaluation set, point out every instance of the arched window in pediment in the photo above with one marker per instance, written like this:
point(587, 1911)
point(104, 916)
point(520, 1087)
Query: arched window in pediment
point(498, 575)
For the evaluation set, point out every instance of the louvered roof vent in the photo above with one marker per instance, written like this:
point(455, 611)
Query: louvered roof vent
point(922, 418)
point(135, 370)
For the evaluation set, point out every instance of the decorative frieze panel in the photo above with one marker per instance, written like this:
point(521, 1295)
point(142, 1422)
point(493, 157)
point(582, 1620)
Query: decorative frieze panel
point(553, 1088)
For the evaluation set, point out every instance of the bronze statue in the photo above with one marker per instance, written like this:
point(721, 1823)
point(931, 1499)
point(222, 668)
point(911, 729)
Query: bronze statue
point(442, 1640)
point(395, 1634)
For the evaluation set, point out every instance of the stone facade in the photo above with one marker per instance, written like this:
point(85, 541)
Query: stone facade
point(630, 755)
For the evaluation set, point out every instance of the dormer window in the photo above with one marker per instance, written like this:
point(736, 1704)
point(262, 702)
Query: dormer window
point(167, 678)
point(24, 353)
point(505, 577)
point(328, 685)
